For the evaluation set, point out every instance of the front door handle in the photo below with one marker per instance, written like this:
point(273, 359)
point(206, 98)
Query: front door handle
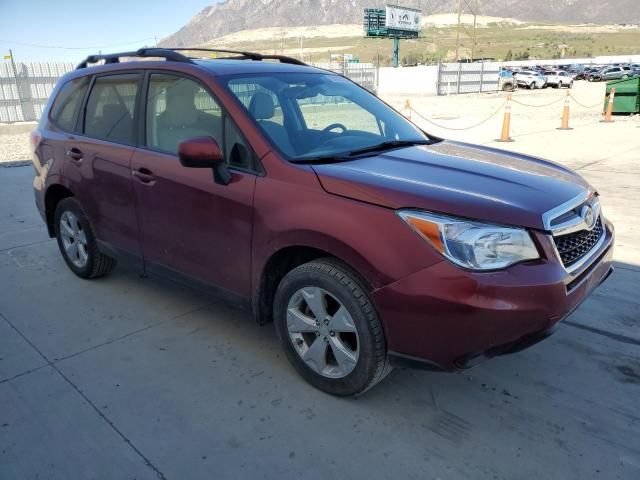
point(144, 175)
point(74, 153)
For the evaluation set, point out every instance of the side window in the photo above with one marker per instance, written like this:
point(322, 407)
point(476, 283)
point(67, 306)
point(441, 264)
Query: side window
point(110, 109)
point(237, 152)
point(178, 109)
point(64, 111)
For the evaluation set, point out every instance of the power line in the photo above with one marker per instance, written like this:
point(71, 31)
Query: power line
point(95, 47)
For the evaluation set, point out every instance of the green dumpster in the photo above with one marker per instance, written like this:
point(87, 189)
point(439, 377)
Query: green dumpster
point(627, 99)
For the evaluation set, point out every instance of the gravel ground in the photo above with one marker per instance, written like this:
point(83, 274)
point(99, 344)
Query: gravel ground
point(14, 141)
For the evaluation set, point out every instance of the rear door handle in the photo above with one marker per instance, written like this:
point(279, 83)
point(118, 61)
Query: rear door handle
point(74, 153)
point(144, 175)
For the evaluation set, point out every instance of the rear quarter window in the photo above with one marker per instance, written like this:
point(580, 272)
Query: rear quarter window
point(64, 111)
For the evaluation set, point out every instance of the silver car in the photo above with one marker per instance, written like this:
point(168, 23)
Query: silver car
point(611, 73)
point(530, 79)
point(559, 79)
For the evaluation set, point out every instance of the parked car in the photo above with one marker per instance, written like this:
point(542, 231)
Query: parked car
point(559, 79)
point(610, 73)
point(507, 82)
point(530, 79)
point(576, 71)
point(583, 75)
point(300, 196)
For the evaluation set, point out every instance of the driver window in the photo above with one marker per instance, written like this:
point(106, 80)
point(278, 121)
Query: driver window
point(320, 111)
point(178, 109)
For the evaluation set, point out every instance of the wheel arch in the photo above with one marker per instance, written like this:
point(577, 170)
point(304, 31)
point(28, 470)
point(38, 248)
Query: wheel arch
point(55, 193)
point(288, 257)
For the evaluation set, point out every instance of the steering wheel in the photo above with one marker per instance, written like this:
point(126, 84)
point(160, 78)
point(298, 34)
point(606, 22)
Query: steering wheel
point(328, 128)
point(325, 134)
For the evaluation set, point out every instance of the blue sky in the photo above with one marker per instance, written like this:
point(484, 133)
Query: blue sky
point(110, 25)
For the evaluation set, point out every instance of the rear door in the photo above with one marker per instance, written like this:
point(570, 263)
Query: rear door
point(188, 223)
point(98, 165)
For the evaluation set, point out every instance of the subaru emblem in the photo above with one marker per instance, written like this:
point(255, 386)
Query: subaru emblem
point(588, 217)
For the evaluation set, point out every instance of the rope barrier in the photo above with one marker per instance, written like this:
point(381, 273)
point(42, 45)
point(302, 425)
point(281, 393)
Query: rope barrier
point(408, 108)
point(583, 105)
point(475, 125)
point(538, 106)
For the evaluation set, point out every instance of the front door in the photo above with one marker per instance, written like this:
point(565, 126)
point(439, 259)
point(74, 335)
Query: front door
point(188, 223)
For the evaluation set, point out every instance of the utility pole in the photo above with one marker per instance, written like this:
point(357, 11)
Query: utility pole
point(458, 30)
point(470, 7)
point(475, 18)
point(15, 80)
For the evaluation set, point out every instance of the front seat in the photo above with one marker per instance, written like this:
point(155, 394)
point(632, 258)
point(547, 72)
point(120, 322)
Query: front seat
point(181, 119)
point(262, 108)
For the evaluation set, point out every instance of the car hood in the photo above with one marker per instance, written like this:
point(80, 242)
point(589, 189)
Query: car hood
point(457, 179)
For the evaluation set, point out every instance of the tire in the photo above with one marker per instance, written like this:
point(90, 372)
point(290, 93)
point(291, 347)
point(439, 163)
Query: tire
point(72, 228)
point(532, 86)
point(570, 84)
point(624, 77)
point(507, 87)
point(335, 286)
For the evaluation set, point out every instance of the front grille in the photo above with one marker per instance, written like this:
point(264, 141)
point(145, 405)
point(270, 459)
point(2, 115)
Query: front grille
point(574, 246)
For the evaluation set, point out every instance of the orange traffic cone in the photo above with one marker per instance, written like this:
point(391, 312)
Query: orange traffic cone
point(565, 114)
point(608, 115)
point(505, 136)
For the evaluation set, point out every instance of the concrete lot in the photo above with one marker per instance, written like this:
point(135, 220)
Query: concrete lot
point(138, 378)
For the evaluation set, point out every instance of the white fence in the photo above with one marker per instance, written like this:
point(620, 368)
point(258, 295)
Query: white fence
point(24, 90)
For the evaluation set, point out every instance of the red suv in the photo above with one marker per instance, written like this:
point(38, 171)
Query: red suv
point(297, 194)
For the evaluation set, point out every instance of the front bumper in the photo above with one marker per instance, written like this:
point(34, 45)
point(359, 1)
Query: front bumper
point(447, 318)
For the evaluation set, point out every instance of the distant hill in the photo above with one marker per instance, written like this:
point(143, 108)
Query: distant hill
point(235, 15)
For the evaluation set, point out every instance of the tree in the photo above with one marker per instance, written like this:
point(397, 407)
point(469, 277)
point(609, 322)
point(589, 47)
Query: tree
point(509, 56)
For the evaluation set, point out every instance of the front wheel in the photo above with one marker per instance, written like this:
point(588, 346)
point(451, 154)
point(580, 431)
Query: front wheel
point(532, 85)
point(329, 328)
point(77, 242)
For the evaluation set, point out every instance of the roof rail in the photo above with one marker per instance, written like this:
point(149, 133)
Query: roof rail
point(242, 54)
point(168, 54)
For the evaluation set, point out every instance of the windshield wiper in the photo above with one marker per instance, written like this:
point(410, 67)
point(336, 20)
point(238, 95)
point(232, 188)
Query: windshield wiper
point(352, 155)
point(388, 145)
point(321, 160)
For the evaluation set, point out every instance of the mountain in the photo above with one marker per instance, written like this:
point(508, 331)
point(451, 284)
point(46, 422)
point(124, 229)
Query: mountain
point(235, 15)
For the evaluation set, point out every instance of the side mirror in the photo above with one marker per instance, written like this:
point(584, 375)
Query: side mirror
point(204, 152)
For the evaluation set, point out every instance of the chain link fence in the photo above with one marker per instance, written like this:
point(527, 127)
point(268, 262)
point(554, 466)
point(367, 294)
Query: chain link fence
point(25, 88)
point(456, 78)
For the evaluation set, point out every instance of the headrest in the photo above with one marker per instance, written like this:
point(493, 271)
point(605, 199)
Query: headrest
point(262, 106)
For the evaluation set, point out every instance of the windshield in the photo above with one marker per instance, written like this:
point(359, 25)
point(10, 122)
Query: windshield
point(310, 116)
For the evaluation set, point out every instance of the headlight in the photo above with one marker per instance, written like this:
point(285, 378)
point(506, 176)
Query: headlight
point(473, 245)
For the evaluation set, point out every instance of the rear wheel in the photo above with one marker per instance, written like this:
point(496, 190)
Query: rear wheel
point(329, 329)
point(77, 243)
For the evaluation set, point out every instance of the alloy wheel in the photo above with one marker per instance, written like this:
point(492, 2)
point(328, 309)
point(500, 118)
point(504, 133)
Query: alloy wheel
point(74, 239)
point(323, 332)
